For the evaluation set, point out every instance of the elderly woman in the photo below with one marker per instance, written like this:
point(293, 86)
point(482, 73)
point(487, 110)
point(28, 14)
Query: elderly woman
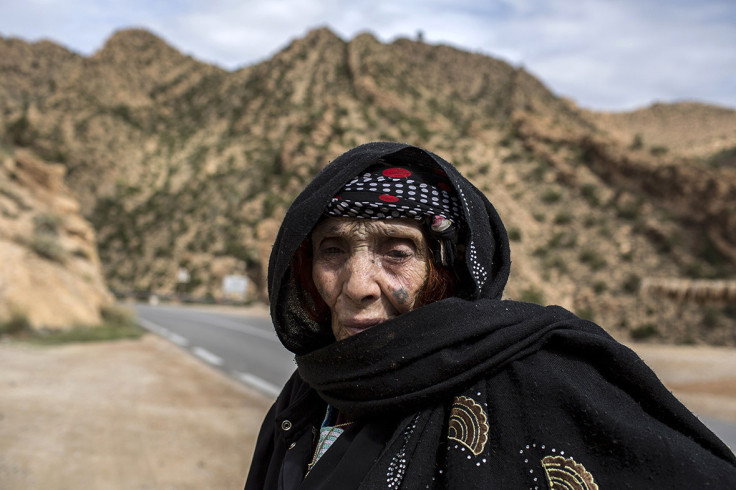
point(386, 281)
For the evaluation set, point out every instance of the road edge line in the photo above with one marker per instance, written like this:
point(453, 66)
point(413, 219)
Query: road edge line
point(258, 383)
point(207, 356)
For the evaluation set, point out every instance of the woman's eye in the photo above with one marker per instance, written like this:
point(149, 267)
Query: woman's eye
point(331, 250)
point(399, 254)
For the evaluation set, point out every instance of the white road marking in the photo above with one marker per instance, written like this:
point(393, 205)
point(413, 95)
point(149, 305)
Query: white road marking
point(149, 325)
point(207, 356)
point(247, 329)
point(258, 383)
point(242, 328)
point(177, 339)
point(163, 332)
point(248, 379)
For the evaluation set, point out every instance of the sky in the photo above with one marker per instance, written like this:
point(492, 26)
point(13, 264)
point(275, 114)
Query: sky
point(605, 55)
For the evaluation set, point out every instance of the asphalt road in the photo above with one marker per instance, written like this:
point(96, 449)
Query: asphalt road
point(246, 348)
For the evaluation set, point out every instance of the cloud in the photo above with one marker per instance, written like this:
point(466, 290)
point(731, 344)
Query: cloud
point(604, 55)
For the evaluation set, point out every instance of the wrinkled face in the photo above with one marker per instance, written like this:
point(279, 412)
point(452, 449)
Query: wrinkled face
point(368, 271)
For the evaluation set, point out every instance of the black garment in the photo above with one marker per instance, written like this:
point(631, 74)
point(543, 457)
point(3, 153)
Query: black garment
point(287, 439)
point(472, 391)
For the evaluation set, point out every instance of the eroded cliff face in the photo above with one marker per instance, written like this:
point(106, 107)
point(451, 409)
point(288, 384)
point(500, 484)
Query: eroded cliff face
point(50, 271)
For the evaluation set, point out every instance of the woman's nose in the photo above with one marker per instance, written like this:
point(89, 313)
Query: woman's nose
point(361, 284)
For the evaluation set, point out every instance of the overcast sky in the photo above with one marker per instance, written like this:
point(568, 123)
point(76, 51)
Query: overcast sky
point(603, 54)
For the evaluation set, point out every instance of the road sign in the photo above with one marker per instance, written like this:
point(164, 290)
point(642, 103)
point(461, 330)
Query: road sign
point(235, 285)
point(182, 276)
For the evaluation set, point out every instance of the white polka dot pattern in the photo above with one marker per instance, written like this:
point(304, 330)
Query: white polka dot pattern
point(384, 192)
point(480, 275)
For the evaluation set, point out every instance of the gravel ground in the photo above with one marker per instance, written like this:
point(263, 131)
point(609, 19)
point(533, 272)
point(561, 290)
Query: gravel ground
point(146, 415)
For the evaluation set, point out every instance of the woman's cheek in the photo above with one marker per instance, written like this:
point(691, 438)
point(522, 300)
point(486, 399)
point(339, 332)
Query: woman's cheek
point(322, 281)
point(400, 295)
point(406, 290)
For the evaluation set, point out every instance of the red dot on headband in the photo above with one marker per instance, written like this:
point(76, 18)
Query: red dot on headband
point(388, 198)
point(396, 173)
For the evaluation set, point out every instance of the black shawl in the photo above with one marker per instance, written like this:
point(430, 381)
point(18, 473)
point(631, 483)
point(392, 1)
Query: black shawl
point(488, 393)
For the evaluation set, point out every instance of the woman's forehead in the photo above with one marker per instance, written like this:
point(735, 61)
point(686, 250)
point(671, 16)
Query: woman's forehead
point(359, 227)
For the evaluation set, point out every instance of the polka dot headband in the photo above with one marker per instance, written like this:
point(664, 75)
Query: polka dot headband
point(384, 191)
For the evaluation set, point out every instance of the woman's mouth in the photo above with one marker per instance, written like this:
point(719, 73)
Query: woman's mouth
point(356, 326)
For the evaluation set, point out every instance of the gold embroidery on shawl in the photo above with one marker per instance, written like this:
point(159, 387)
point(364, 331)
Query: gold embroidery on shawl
point(566, 474)
point(468, 424)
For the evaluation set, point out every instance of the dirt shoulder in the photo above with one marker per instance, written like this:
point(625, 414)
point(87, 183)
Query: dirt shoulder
point(701, 377)
point(122, 415)
point(146, 415)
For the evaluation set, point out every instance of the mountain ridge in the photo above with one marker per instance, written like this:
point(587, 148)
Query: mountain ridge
point(178, 163)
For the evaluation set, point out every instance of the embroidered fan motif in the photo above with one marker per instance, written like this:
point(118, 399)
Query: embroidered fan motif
point(566, 474)
point(468, 424)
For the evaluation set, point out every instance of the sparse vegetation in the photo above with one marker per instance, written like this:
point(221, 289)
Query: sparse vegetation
point(537, 174)
point(46, 223)
point(118, 324)
point(590, 194)
point(586, 313)
point(563, 218)
point(600, 287)
point(562, 239)
point(711, 317)
point(628, 211)
point(658, 150)
point(637, 143)
point(102, 333)
point(532, 295)
point(593, 259)
point(48, 247)
point(631, 283)
point(557, 262)
point(644, 331)
point(550, 196)
point(590, 221)
point(723, 159)
point(20, 132)
point(17, 324)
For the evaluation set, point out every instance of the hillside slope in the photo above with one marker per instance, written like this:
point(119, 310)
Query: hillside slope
point(179, 164)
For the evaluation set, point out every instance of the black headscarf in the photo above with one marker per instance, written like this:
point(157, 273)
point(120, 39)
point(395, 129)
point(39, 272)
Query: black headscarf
point(483, 272)
point(539, 375)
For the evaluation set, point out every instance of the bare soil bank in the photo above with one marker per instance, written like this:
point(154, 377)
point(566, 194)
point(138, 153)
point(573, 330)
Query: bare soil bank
point(146, 415)
point(122, 415)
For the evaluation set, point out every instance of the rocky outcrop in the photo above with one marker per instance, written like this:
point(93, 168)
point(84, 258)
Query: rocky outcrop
point(49, 269)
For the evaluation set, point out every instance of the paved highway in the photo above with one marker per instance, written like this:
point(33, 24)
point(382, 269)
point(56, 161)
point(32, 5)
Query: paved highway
point(246, 348)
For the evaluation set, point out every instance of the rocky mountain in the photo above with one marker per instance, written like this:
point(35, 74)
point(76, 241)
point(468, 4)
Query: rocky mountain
point(179, 164)
point(50, 274)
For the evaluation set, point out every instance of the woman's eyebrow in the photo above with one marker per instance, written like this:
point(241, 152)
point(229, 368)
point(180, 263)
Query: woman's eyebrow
point(394, 232)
